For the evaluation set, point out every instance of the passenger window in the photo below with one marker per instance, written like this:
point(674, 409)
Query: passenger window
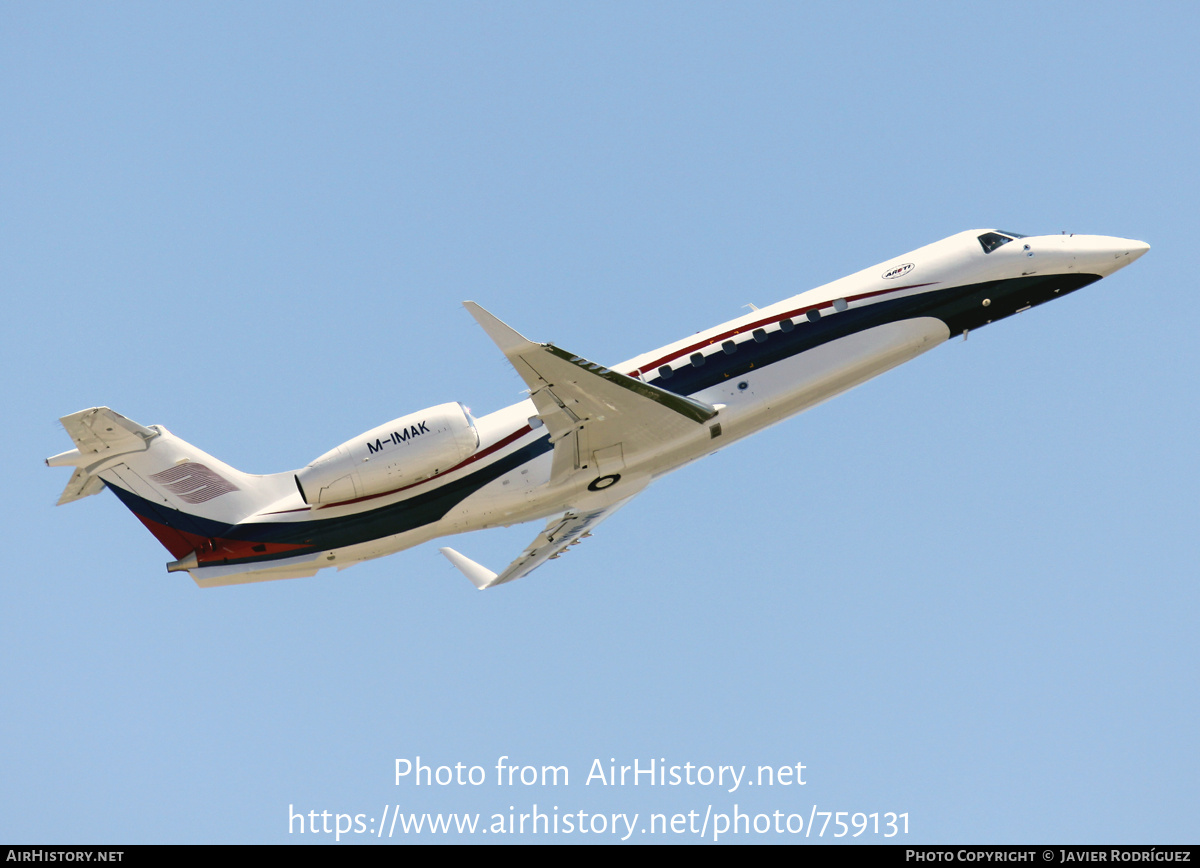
point(813, 315)
point(729, 347)
point(759, 335)
point(697, 359)
point(786, 325)
point(665, 372)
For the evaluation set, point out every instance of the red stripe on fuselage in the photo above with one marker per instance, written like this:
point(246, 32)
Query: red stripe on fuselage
point(499, 444)
point(749, 327)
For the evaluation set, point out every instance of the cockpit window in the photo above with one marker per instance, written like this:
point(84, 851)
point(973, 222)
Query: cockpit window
point(1010, 234)
point(992, 240)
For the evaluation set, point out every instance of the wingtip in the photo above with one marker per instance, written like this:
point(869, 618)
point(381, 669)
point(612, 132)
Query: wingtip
point(479, 576)
point(505, 336)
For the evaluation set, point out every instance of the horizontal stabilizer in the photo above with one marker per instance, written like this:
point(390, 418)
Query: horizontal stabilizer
point(99, 434)
point(101, 431)
point(82, 484)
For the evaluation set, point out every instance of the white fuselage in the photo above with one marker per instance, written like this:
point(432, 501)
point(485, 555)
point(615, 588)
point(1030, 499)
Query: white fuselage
point(761, 396)
point(368, 498)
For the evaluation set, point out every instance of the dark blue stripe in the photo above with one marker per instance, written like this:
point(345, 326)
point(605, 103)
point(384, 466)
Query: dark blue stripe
point(339, 531)
point(960, 307)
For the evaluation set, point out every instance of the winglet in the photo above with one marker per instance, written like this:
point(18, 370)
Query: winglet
point(480, 576)
point(509, 340)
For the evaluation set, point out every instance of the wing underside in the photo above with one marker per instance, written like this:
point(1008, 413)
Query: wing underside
point(560, 533)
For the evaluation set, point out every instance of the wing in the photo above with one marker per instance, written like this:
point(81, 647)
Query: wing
point(560, 533)
point(597, 418)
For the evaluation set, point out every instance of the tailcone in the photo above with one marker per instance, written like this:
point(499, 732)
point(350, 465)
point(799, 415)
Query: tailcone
point(183, 564)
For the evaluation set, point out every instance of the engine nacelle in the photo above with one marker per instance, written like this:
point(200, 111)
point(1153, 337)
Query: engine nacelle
point(404, 451)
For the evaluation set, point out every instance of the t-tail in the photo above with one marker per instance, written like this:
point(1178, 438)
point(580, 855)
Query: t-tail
point(188, 499)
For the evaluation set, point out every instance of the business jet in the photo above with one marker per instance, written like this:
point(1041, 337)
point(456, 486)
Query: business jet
point(589, 437)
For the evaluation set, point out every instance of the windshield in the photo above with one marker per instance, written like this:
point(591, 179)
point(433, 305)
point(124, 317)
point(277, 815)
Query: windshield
point(992, 240)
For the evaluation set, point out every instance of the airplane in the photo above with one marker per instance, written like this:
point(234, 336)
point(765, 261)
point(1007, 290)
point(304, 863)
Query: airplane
point(589, 437)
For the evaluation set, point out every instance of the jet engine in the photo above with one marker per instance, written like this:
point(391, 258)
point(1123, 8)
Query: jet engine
point(404, 451)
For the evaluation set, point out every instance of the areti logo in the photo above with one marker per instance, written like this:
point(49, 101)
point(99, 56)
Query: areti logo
point(899, 270)
point(193, 483)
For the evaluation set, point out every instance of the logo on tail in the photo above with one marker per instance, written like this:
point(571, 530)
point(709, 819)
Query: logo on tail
point(193, 483)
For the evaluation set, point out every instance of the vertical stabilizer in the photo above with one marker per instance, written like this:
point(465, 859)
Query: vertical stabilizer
point(182, 494)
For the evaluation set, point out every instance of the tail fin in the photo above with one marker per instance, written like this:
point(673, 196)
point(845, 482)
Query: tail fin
point(183, 495)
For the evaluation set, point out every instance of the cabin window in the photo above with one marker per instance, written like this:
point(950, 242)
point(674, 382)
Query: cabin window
point(697, 359)
point(991, 240)
point(786, 325)
point(840, 305)
point(759, 335)
point(729, 347)
point(813, 315)
point(665, 372)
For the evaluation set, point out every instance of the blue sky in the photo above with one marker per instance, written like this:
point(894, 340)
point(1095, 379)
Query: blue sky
point(965, 591)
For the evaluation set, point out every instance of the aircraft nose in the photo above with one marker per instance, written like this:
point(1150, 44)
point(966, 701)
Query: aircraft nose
point(1100, 254)
point(1127, 250)
point(1136, 249)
